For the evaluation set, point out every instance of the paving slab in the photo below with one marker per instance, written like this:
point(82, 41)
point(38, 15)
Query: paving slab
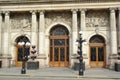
point(96, 73)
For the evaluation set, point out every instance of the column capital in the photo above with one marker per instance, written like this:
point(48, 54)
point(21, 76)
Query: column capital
point(6, 13)
point(112, 10)
point(41, 12)
point(33, 12)
point(83, 10)
point(74, 11)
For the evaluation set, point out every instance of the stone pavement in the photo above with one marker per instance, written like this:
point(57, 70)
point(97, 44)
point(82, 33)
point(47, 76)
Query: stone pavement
point(61, 72)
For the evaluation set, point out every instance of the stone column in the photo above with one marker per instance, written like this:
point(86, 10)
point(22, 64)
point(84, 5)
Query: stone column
point(74, 31)
point(6, 37)
point(0, 32)
point(113, 38)
point(6, 34)
point(119, 28)
point(34, 29)
point(41, 32)
point(74, 36)
point(113, 32)
point(82, 20)
point(84, 34)
point(83, 28)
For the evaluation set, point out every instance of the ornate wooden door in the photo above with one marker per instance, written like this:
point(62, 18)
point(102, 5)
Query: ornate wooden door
point(97, 55)
point(97, 51)
point(59, 48)
point(20, 50)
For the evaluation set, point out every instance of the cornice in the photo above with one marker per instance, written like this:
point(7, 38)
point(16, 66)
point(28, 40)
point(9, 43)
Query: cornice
point(85, 1)
point(27, 7)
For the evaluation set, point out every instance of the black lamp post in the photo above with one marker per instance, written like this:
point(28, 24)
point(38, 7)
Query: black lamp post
point(81, 64)
point(24, 57)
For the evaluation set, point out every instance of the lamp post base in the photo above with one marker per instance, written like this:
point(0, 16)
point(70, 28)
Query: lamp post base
point(81, 73)
point(81, 68)
point(23, 71)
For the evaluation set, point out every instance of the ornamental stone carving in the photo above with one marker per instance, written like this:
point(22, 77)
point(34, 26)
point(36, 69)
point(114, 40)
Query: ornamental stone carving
point(20, 21)
point(52, 17)
point(97, 18)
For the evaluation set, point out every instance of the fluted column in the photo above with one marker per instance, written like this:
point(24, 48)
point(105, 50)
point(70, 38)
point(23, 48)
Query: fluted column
point(34, 29)
point(74, 31)
point(6, 34)
point(41, 32)
point(0, 32)
point(113, 32)
point(119, 28)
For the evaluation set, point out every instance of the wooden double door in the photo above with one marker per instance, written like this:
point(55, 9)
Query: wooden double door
point(59, 51)
point(21, 51)
point(97, 55)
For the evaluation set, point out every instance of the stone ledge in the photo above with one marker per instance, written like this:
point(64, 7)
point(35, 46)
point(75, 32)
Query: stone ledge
point(55, 1)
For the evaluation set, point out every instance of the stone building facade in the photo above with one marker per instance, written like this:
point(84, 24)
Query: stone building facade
point(53, 27)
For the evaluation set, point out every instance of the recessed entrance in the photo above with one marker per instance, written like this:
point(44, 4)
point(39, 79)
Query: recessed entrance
point(97, 51)
point(20, 50)
point(59, 47)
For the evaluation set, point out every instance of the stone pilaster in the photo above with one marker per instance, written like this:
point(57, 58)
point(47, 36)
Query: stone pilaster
point(113, 37)
point(41, 32)
point(34, 29)
point(0, 32)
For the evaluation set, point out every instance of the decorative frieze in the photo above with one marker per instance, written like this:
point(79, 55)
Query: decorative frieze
point(53, 17)
point(20, 21)
point(97, 18)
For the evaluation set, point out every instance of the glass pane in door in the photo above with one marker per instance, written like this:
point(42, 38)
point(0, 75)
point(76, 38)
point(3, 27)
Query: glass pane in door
point(56, 54)
point(93, 53)
point(62, 54)
point(59, 42)
point(100, 54)
point(67, 53)
point(51, 56)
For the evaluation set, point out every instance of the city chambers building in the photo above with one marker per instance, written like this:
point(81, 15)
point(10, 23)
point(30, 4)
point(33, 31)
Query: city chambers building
point(53, 26)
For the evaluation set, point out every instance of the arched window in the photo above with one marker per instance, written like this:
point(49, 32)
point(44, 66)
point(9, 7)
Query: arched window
point(97, 39)
point(59, 30)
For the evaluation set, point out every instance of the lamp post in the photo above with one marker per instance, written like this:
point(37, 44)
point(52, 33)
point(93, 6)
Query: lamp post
point(81, 64)
point(24, 57)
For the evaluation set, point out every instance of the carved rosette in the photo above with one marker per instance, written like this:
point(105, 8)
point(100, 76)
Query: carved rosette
point(64, 17)
point(20, 21)
point(97, 19)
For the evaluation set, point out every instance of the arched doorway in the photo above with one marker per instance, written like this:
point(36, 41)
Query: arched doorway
point(20, 50)
point(59, 47)
point(97, 51)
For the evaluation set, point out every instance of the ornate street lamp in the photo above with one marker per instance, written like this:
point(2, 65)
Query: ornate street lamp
point(24, 57)
point(81, 64)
